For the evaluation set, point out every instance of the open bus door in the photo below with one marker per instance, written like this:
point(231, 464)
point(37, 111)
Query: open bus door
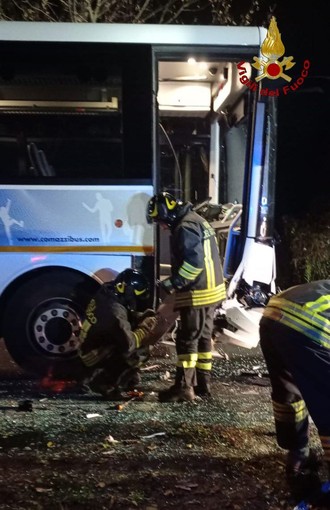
point(219, 152)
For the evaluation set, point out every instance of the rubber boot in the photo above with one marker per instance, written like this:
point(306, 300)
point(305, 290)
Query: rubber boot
point(99, 383)
point(302, 474)
point(203, 388)
point(183, 388)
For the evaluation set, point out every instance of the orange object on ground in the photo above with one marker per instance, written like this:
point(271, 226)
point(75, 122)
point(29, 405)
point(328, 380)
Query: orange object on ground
point(134, 395)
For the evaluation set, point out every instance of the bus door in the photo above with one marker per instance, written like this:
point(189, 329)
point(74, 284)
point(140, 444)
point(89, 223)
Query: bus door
point(216, 146)
point(204, 120)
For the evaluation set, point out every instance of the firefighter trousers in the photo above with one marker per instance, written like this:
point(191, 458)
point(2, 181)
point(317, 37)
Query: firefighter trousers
point(194, 346)
point(299, 370)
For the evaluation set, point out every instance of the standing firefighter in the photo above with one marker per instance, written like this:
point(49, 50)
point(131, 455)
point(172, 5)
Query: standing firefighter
point(196, 282)
point(113, 333)
point(295, 341)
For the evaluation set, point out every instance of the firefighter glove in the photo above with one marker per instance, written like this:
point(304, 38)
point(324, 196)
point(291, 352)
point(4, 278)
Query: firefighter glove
point(167, 286)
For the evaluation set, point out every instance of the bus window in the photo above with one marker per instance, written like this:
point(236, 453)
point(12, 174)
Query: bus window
point(71, 113)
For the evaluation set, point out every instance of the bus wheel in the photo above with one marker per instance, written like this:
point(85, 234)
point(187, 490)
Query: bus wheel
point(42, 320)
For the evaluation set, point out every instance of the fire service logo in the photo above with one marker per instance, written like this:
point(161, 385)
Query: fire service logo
point(272, 66)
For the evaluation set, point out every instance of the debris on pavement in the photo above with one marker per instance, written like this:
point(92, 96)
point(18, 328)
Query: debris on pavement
point(156, 434)
point(218, 454)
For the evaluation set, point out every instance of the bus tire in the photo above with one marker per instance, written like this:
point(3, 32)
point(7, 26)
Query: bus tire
point(42, 321)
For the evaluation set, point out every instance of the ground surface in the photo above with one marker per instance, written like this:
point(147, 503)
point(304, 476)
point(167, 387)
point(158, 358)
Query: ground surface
point(74, 451)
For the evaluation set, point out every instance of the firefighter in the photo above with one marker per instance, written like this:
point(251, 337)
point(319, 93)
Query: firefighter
point(113, 332)
point(295, 341)
point(197, 285)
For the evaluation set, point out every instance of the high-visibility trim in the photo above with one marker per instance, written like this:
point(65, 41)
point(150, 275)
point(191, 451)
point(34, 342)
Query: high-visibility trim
point(138, 336)
point(154, 212)
point(302, 311)
point(170, 204)
point(187, 360)
point(188, 364)
point(209, 265)
point(86, 326)
point(303, 319)
point(189, 272)
point(139, 292)
point(294, 412)
point(205, 355)
point(62, 249)
point(321, 304)
point(204, 366)
point(191, 356)
point(202, 297)
point(120, 286)
point(201, 292)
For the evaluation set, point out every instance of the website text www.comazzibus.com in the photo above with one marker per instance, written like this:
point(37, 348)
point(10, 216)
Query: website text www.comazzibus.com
point(68, 239)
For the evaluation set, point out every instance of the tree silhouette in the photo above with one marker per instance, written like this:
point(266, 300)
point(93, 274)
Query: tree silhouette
point(218, 12)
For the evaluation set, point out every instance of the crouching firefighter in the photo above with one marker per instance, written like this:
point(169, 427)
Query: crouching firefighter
point(113, 333)
point(197, 285)
point(295, 341)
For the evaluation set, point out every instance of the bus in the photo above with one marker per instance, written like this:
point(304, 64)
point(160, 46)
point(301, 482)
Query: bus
point(95, 119)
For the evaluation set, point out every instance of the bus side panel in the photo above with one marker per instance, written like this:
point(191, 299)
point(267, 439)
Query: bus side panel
point(75, 217)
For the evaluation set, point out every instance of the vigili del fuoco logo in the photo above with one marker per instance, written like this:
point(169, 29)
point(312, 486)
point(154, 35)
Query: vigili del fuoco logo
point(273, 65)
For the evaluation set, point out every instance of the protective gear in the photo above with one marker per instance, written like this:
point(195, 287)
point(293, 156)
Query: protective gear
point(183, 388)
point(300, 461)
point(131, 287)
point(140, 316)
point(167, 286)
point(110, 333)
point(295, 339)
point(148, 324)
point(196, 270)
point(177, 394)
point(164, 207)
point(197, 285)
point(203, 388)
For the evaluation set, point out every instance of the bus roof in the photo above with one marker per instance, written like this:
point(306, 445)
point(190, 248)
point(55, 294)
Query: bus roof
point(169, 35)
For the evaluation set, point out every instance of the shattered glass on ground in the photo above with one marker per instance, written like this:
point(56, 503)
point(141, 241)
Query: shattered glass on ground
point(70, 449)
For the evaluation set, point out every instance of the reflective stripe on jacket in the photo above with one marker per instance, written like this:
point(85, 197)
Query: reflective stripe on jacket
point(108, 328)
point(305, 308)
point(197, 275)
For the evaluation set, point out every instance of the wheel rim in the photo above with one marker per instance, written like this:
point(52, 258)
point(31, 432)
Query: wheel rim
point(55, 328)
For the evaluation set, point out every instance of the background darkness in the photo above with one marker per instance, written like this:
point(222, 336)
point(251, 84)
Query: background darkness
point(303, 117)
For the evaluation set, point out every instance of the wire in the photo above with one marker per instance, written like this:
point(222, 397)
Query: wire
point(175, 157)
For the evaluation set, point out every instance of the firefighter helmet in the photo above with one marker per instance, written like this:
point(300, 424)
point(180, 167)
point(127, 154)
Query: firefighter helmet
point(165, 208)
point(131, 285)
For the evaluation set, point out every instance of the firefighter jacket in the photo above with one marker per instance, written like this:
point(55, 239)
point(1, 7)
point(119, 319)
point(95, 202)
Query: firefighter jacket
point(305, 308)
point(109, 328)
point(196, 275)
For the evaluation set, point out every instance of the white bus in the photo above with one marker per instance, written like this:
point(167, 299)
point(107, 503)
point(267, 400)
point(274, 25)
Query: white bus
point(94, 119)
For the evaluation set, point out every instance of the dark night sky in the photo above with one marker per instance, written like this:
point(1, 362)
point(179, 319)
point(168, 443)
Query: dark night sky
point(303, 118)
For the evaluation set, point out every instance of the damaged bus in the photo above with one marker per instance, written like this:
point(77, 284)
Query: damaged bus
point(96, 118)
